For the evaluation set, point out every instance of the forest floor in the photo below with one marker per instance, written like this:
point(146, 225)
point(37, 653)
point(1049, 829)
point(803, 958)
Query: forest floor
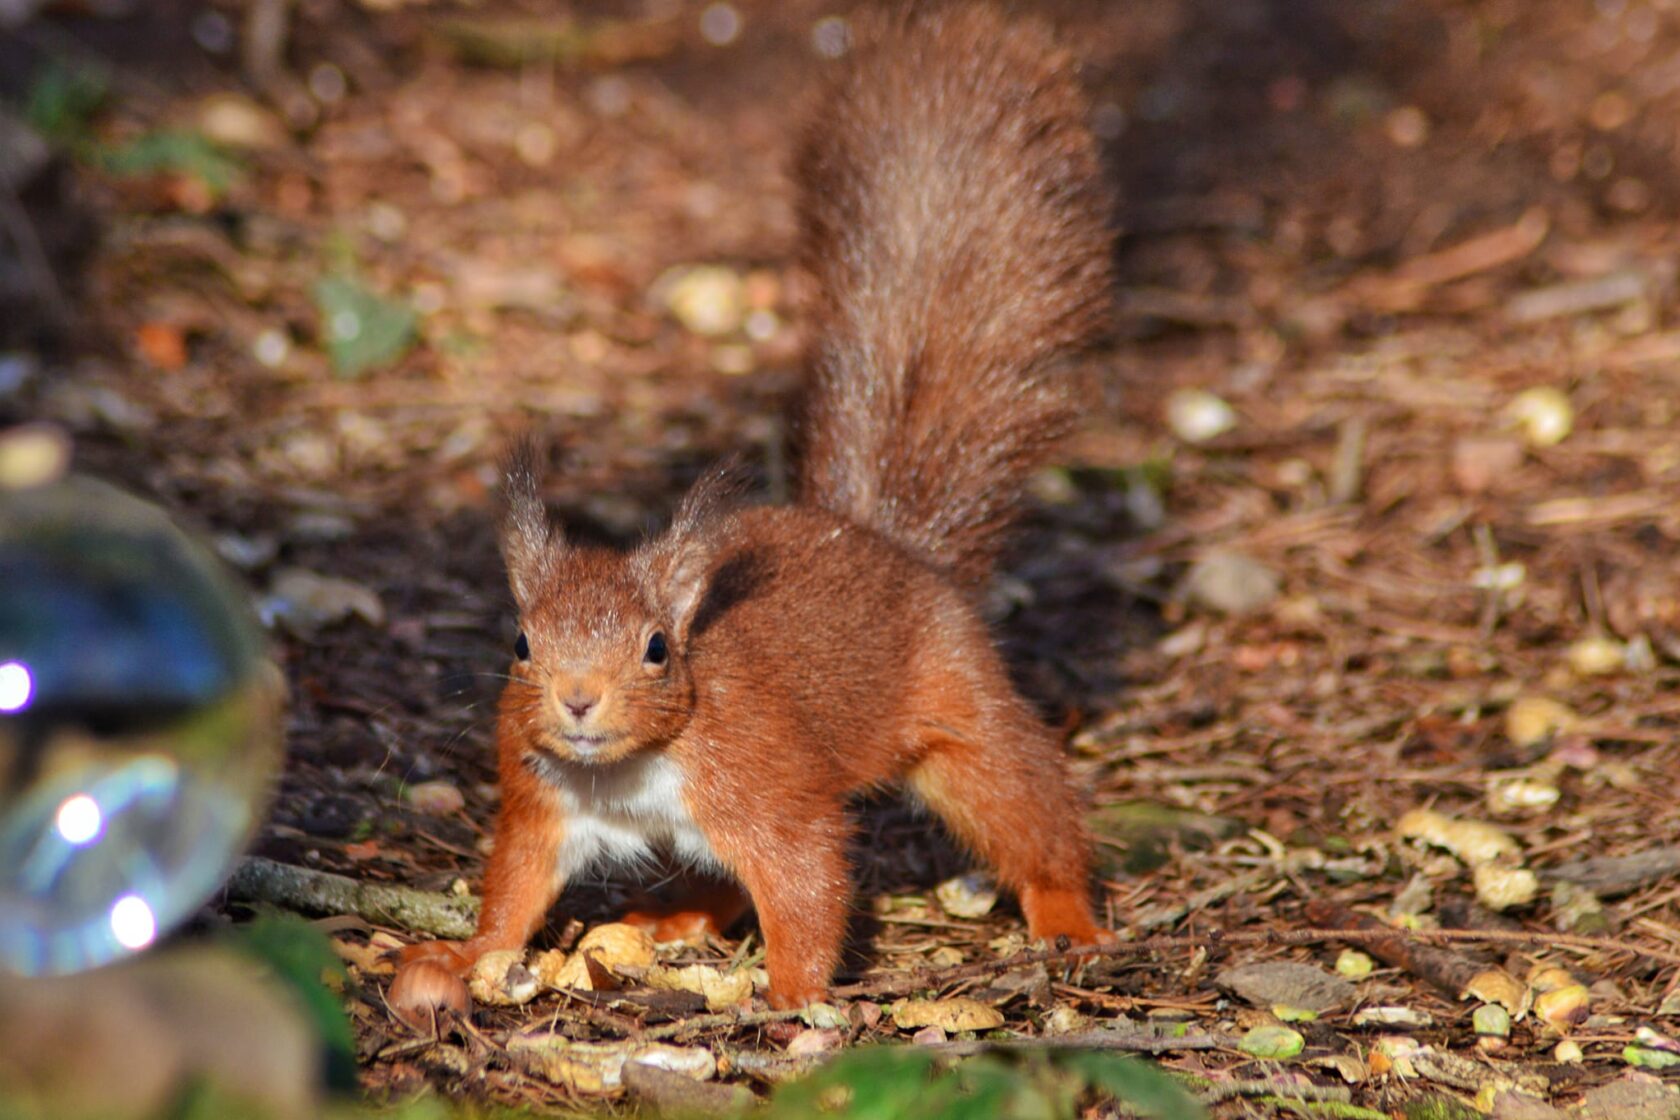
point(1412, 552)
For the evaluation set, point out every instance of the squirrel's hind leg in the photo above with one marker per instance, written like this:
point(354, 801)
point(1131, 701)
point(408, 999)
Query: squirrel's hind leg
point(999, 782)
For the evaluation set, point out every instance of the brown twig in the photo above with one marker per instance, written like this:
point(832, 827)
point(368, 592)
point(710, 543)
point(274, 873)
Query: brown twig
point(1128, 1041)
point(722, 1019)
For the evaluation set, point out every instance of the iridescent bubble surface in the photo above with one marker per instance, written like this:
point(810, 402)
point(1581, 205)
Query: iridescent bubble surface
point(139, 726)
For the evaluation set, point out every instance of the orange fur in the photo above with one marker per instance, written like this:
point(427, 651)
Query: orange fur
point(724, 689)
point(704, 909)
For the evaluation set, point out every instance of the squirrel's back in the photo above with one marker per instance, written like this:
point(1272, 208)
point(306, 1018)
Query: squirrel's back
point(954, 220)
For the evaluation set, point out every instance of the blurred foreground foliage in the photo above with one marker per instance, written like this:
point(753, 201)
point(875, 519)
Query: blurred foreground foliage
point(913, 1083)
point(62, 105)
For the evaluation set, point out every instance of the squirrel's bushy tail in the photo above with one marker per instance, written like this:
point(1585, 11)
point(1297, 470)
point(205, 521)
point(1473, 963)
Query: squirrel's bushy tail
point(954, 220)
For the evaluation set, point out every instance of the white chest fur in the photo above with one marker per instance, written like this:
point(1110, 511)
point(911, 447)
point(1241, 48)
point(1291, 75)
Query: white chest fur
point(623, 813)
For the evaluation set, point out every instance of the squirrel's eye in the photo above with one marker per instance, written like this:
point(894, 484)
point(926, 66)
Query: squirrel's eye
point(656, 652)
point(522, 648)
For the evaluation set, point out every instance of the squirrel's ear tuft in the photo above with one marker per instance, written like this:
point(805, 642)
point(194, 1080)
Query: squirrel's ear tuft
point(677, 566)
point(530, 539)
point(713, 494)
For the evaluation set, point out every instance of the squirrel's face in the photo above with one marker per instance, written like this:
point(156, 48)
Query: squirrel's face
point(598, 673)
point(599, 668)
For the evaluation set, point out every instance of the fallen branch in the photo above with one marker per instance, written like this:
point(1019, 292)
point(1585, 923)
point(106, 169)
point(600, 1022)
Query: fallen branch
point(321, 892)
point(1447, 971)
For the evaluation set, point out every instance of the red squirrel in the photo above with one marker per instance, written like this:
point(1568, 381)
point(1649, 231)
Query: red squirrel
point(720, 691)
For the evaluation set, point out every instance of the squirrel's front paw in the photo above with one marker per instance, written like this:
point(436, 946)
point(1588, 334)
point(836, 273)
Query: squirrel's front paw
point(429, 979)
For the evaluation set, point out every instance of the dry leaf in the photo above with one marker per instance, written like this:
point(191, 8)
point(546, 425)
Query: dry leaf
point(597, 1068)
point(1531, 720)
point(439, 798)
point(1499, 887)
point(951, 1015)
point(1562, 1008)
point(1495, 985)
point(967, 896)
point(1474, 842)
point(613, 946)
point(721, 989)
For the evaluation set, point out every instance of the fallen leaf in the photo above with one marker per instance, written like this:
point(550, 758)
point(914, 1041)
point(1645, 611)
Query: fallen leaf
point(1513, 796)
point(1149, 830)
point(721, 989)
point(814, 1042)
point(437, 798)
point(1491, 1019)
point(1289, 983)
point(597, 1068)
point(1597, 656)
point(967, 896)
point(1272, 1043)
point(1499, 887)
point(1495, 985)
point(1230, 583)
point(304, 602)
point(162, 345)
point(1645, 1057)
point(236, 121)
point(1481, 463)
point(1474, 842)
point(1531, 720)
point(612, 946)
point(1392, 1017)
point(369, 959)
point(1562, 1008)
point(958, 1013)
point(359, 328)
point(364, 850)
point(707, 299)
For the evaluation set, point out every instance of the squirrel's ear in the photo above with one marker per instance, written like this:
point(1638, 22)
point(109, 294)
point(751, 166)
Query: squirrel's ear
point(678, 564)
point(531, 541)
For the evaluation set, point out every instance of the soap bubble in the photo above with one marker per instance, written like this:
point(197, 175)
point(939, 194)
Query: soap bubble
point(139, 727)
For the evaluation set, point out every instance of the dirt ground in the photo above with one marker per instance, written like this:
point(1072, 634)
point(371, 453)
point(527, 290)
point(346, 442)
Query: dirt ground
point(1370, 230)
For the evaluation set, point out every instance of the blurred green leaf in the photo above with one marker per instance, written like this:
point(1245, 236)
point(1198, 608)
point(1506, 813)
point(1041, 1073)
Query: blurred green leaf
point(62, 101)
point(183, 153)
point(913, 1083)
point(1142, 1086)
point(360, 328)
point(303, 958)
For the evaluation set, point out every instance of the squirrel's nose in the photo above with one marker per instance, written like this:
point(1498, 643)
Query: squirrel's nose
point(579, 705)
